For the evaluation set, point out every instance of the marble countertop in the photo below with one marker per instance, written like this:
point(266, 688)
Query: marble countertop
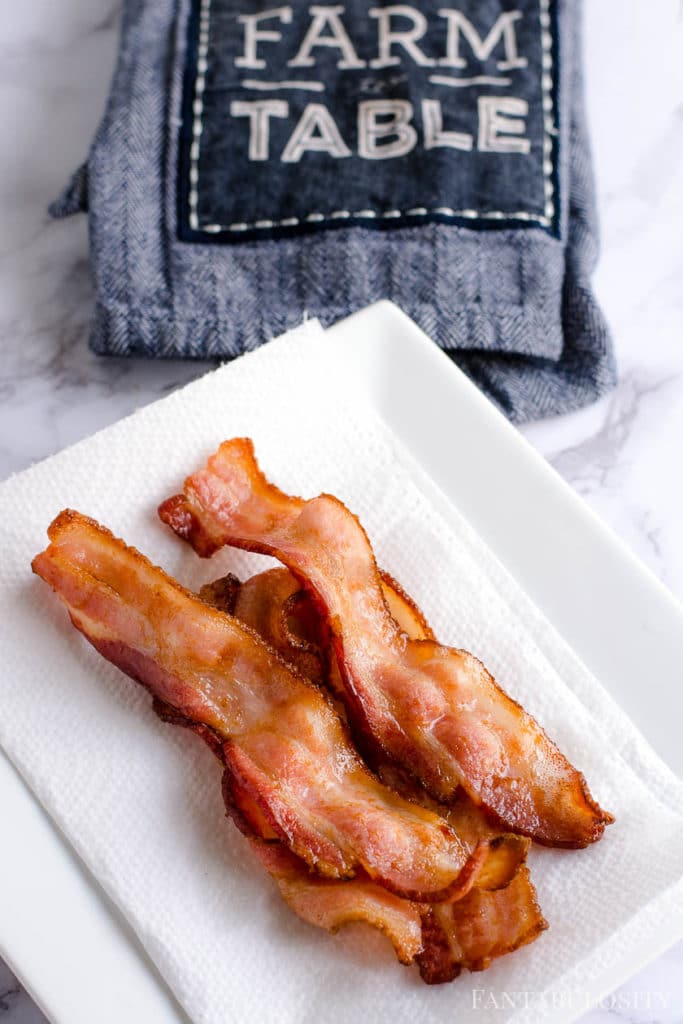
point(622, 455)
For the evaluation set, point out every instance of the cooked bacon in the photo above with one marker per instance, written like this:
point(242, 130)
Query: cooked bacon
point(436, 710)
point(330, 905)
point(504, 917)
point(222, 593)
point(442, 938)
point(479, 928)
point(281, 742)
point(265, 601)
point(404, 610)
point(274, 604)
point(283, 615)
point(323, 902)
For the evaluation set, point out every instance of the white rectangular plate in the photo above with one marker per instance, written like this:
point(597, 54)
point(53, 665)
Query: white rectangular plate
point(614, 613)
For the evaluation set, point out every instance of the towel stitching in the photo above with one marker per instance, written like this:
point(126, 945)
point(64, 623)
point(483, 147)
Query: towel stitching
point(549, 130)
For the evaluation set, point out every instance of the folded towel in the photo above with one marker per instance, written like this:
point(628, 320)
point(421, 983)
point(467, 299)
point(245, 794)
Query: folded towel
point(259, 164)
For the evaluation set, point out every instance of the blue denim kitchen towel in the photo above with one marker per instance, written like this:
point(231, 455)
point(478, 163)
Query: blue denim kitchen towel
point(259, 164)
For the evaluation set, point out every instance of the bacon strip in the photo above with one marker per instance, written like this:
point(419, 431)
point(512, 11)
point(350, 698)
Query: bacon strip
point(479, 928)
point(502, 916)
point(281, 742)
point(323, 902)
point(442, 939)
point(433, 709)
point(273, 604)
point(330, 905)
point(282, 614)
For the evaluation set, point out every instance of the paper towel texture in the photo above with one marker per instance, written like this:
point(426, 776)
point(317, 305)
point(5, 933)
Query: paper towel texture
point(141, 801)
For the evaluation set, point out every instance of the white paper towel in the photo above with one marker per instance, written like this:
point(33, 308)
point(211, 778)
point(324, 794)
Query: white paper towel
point(141, 801)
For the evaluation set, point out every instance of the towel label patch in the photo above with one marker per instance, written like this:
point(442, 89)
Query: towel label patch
point(302, 118)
